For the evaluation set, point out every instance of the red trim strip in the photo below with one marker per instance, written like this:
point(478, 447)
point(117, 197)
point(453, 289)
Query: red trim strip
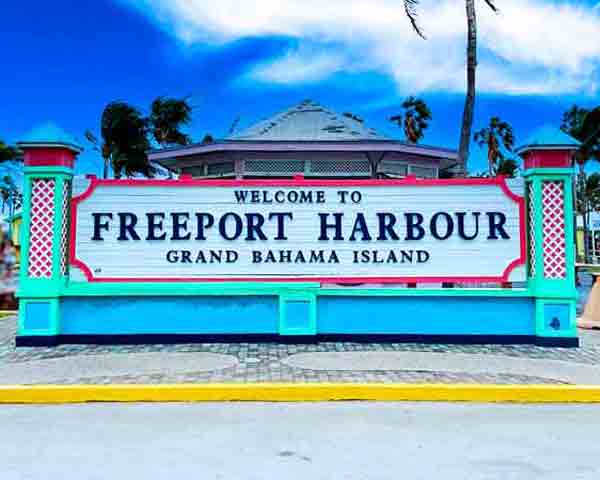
point(300, 182)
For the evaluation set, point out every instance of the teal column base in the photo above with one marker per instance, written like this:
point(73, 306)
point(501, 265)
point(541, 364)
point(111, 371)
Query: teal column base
point(555, 318)
point(39, 317)
point(298, 313)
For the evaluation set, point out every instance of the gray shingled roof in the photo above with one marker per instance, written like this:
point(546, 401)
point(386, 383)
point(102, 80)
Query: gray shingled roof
point(309, 121)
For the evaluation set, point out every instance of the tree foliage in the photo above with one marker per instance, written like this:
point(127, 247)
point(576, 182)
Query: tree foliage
point(588, 194)
point(414, 120)
point(507, 167)
point(10, 195)
point(167, 116)
point(9, 153)
point(584, 125)
point(497, 133)
point(126, 134)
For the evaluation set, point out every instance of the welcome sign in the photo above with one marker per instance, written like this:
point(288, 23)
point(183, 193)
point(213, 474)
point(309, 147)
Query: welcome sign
point(371, 231)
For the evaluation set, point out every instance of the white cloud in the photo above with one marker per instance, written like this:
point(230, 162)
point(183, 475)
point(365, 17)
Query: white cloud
point(302, 65)
point(532, 46)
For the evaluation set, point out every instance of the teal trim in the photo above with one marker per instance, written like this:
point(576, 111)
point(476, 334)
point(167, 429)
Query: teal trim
point(426, 292)
point(538, 234)
point(85, 289)
point(548, 172)
point(58, 188)
point(25, 227)
point(570, 231)
point(58, 221)
point(40, 287)
point(48, 171)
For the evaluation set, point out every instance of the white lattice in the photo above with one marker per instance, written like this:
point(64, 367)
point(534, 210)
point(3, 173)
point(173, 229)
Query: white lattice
point(340, 166)
point(555, 264)
point(531, 216)
point(41, 228)
point(64, 228)
point(266, 167)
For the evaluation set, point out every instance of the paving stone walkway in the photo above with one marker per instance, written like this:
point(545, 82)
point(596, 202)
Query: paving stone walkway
point(264, 362)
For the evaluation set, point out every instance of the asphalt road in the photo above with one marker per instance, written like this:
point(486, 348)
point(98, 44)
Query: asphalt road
point(300, 441)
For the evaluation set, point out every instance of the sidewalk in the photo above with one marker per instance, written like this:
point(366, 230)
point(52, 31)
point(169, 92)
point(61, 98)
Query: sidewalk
point(323, 362)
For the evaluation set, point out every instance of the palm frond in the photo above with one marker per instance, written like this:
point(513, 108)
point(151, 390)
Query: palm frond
point(491, 4)
point(410, 8)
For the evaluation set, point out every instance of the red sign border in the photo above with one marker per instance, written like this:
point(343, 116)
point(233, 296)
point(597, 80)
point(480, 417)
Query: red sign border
point(298, 181)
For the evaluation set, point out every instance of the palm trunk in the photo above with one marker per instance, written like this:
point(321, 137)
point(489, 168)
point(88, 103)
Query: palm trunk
point(105, 169)
point(467, 121)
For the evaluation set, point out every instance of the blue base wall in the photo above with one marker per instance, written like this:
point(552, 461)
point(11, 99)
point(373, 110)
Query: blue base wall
point(426, 315)
point(177, 315)
point(296, 318)
point(334, 315)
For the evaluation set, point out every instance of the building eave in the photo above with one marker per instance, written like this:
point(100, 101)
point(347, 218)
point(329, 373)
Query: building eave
point(169, 156)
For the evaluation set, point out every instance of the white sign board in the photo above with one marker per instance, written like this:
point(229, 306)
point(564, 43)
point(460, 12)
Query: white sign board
point(367, 231)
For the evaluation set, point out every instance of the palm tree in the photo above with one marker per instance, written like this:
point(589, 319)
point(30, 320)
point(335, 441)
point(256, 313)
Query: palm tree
point(507, 167)
point(415, 119)
point(410, 7)
point(584, 125)
point(495, 133)
point(167, 115)
point(126, 134)
point(125, 141)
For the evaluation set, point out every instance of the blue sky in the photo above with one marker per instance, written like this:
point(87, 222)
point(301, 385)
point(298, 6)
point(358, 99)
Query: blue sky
point(64, 60)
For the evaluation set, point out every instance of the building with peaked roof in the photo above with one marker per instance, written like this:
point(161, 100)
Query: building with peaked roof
point(311, 140)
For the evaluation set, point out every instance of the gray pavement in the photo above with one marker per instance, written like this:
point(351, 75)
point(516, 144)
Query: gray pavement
point(567, 372)
point(253, 441)
point(321, 362)
point(88, 366)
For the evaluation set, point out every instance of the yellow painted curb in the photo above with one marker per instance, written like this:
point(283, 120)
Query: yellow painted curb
point(305, 392)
